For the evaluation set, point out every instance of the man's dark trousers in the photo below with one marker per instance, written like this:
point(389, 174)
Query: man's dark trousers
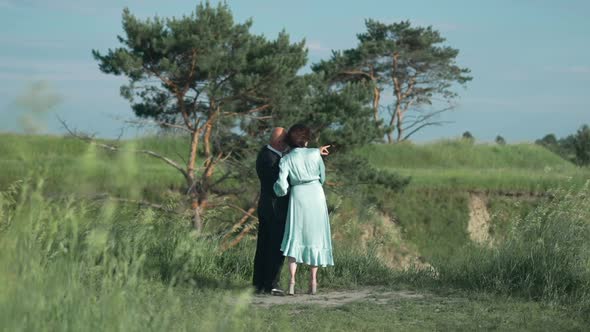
point(272, 215)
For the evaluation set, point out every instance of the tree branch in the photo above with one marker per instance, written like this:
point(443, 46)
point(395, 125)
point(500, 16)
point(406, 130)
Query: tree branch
point(113, 148)
point(422, 118)
point(192, 70)
point(438, 123)
point(226, 192)
point(163, 79)
point(133, 201)
point(246, 215)
point(358, 73)
point(158, 123)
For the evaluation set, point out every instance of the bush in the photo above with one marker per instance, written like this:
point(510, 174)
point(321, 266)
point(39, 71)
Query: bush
point(467, 136)
point(582, 146)
point(575, 148)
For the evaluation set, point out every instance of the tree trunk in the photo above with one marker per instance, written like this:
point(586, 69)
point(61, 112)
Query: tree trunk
point(197, 220)
point(400, 129)
point(395, 116)
point(197, 208)
point(389, 138)
point(376, 94)
point(397, 92)
point(390, 133)
point(376, 97)
point(190, 167)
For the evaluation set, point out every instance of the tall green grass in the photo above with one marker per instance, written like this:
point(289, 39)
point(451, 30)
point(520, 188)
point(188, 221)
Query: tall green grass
point(545, 256)
point(70, 264)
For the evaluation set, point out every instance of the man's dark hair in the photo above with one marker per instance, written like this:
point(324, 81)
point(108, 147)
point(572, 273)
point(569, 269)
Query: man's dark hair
point(298, 135)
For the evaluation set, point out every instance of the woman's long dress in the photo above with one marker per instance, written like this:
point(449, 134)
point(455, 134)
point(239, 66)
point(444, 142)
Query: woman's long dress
point(307, 235)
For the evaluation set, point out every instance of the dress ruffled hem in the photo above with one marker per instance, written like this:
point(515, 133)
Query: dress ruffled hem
point(310, 255)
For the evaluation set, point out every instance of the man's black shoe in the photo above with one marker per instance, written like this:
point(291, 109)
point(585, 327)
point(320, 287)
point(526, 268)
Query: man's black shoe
point(277, 292)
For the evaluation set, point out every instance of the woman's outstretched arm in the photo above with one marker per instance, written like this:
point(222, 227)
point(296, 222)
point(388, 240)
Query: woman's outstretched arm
point(322, 171)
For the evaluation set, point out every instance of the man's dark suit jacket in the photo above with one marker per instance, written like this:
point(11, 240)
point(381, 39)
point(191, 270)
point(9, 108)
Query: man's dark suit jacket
point(272, 215)
point(267, 168)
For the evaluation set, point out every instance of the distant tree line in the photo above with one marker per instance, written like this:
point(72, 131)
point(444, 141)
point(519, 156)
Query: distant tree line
point(574, 147)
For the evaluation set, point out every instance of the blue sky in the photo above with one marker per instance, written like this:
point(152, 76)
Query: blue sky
point(530, 59)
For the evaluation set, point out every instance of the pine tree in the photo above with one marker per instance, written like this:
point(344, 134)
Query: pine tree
point(203, 74)
point(411, 63)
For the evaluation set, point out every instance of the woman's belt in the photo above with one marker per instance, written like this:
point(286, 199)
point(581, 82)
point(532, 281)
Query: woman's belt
point(305, 182)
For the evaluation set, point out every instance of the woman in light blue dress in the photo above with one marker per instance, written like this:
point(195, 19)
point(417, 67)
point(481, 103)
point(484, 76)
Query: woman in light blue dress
point(307, 237)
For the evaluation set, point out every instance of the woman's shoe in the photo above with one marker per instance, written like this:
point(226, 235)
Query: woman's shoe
point(291, 289)
point(313, 288)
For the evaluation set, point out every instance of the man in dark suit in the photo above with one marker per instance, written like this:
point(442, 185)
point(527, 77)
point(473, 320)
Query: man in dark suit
point(272, 215)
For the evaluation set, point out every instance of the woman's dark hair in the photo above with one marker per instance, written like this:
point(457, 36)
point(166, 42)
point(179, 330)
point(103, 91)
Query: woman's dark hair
point(298, 135)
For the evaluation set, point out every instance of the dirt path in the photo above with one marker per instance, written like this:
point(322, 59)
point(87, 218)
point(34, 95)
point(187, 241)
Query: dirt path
point(336, 298)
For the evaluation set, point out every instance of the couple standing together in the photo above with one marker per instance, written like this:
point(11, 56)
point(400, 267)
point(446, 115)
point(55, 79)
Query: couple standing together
point(292, 211)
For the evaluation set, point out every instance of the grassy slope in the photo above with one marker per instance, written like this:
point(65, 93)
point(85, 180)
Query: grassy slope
point(432, 212)
point(68, 164)
point(443, 165)
point(433, 209)
point(461, 165)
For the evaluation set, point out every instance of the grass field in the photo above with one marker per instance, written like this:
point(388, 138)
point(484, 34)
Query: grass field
point(460, 165)
point(445, 165)
point(71, 263)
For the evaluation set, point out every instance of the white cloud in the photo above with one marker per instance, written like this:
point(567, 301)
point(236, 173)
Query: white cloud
point(316, 46)
point(86, 7)
point(579, 69)
point(34, 69)
point(443, 27)
point(494, 101)
point(526, 102)
point(35, 43)
point(572, 69)
point(446, 27)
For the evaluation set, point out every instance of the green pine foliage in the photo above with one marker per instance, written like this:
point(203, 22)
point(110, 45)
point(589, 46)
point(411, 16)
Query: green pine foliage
point(412, 63)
